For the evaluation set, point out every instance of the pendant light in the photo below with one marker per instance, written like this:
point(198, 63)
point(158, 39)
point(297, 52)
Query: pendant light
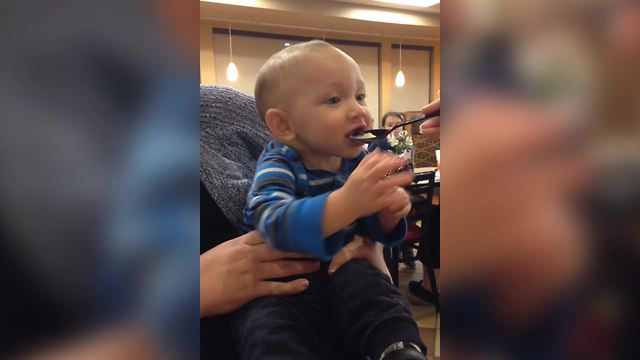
point(232, 70)
point(400, 74)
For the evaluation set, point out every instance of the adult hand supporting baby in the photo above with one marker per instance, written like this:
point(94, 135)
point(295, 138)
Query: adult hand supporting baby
point(238, 271)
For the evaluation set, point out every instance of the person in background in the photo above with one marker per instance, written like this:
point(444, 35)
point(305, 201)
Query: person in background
point(389, 120)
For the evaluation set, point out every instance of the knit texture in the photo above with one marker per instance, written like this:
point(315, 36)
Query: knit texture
point(232, 136)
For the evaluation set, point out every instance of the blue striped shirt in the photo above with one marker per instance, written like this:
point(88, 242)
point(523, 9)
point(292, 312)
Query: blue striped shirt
point(286, 204)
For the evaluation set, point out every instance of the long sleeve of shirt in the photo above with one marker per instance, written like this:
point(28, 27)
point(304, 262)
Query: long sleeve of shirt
point(286, 205)
point(370, 228)
point(288, 223)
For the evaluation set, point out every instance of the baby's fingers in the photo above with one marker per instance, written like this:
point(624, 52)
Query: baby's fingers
point(385, 164)
point(399, 179)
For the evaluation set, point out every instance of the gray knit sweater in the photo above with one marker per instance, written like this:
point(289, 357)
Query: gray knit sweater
point(232, 136)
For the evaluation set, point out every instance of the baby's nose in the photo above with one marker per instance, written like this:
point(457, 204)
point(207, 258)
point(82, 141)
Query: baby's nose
point(359, 111)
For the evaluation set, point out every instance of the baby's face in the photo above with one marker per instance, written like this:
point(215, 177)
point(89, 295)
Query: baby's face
point(327, 104)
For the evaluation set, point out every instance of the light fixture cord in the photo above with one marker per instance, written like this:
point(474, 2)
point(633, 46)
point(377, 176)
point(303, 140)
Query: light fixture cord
point(230, 46)
point(400, 53)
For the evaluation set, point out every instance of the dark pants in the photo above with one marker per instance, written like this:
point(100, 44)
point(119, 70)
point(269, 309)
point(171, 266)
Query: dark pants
point(355, 312)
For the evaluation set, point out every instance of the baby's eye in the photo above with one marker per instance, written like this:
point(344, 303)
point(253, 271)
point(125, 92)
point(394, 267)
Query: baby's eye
point(333, 100)
point(361, 97)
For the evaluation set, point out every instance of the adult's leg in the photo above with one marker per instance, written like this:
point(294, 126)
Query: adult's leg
point(429, 255)
point(369, 310)
point(288, 327)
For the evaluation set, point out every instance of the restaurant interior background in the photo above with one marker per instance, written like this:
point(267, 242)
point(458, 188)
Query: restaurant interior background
point(381, 36)
point(100, 160)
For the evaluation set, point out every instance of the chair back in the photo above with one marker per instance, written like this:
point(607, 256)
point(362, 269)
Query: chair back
point(421, 192)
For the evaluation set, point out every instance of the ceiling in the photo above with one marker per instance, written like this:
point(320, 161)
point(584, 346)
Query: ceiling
point(356, 16)
point(431, 9)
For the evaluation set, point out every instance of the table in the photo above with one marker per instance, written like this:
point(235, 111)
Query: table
point(429, 169)
point(424, 169)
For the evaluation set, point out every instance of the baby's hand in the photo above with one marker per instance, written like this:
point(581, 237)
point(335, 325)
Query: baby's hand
point(369, 190)
point(401, 205)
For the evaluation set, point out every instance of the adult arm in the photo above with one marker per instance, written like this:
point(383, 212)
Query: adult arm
point(238, 271)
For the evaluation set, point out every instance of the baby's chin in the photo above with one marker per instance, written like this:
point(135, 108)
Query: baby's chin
point(352, 152)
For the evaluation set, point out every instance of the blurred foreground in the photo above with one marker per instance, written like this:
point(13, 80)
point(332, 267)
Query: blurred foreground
point(541, 166)
point(99, 180)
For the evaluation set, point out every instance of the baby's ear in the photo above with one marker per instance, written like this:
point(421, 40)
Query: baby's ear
point(279, 125)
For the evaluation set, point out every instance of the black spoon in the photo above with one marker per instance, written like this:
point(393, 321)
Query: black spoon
point(372, 135)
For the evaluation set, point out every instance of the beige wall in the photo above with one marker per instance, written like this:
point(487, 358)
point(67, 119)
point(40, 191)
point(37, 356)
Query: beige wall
point(207, 55)
point(416, 66)
point(249, 53)
point(386, 65)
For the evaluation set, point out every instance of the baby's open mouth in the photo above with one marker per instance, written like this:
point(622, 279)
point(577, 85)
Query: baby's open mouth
point(356, 132)
point(362, 134)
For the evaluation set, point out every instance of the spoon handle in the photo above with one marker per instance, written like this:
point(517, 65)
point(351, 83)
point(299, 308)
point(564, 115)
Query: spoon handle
point(418, 119)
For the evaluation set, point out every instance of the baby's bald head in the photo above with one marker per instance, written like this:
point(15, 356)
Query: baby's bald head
point(271, 87)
